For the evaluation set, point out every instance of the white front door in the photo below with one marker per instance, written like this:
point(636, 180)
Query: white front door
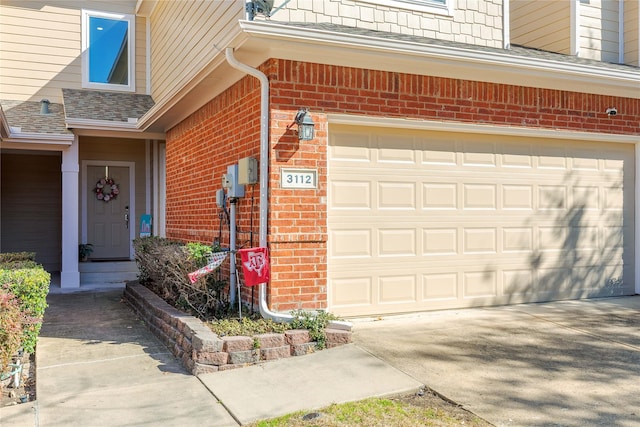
point(108, 212)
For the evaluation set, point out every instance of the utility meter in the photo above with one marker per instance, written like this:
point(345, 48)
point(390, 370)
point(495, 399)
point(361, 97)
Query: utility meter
point(230, 182)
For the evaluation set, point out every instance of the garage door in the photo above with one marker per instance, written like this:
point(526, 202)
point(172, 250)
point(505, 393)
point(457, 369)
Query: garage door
point(421, 221)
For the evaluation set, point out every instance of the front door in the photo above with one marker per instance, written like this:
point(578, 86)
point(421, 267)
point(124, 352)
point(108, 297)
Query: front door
point(108, 212)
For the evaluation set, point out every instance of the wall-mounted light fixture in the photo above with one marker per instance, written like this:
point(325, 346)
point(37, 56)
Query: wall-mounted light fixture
point(611, 111)
point(306, 127)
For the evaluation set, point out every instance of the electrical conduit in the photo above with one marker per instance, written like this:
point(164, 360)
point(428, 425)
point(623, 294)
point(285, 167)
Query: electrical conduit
point(264, 184)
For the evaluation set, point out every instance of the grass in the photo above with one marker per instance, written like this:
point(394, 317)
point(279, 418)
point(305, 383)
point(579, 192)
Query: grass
point(404, 411)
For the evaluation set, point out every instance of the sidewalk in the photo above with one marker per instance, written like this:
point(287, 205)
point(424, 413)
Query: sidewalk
point(98, 365)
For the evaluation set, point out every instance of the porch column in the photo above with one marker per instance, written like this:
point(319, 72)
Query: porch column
point(70, 275)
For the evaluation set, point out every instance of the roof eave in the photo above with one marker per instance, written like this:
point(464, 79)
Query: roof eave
point(443, 60)
point(37, 141)
point(105, 127)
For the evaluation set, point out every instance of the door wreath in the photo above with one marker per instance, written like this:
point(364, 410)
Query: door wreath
point(106, 189)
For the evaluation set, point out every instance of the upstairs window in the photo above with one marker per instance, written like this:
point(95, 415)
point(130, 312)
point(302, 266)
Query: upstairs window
point(107, 51)
point(440, 7)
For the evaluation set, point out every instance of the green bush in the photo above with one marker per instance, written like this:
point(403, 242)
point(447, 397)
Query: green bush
point(315, 323)
point(17, 256)
point(30, 286)
point(10, 328)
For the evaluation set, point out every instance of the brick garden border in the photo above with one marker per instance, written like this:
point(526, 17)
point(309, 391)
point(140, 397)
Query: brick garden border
point(202, 351)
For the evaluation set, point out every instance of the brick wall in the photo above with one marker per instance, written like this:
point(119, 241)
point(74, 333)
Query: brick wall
point(200, 148)
point(201, 351)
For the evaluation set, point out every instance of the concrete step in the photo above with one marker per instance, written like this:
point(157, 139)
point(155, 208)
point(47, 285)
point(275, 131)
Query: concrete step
point(107, 272)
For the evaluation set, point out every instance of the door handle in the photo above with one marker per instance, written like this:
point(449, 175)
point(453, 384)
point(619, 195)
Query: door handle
point(126, 216)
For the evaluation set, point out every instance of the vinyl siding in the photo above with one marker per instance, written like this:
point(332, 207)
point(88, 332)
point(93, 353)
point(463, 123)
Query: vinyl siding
point(599, 30)
point(632, 33)
point(541, 24)
point(179, 51)
point(31, 207)
point(40, 46)
point(474, 22)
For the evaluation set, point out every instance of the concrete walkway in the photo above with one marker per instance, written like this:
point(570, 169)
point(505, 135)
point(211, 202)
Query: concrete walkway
point(98, 365)
point(572, 363)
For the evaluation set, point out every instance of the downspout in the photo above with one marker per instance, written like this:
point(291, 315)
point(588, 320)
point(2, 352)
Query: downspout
point(264, 174)
point(264, 184)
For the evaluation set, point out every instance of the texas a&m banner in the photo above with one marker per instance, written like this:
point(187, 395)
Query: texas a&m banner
point(255, 264)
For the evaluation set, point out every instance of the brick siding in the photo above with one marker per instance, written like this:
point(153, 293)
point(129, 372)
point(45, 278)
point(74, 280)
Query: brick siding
point(227, 129)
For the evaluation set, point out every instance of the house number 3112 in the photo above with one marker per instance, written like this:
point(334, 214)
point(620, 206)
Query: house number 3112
point(299, 178)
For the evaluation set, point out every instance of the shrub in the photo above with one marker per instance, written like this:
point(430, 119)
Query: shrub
point(30, 286)
point(246, 327)
point(315, 322)
point(164, 267)
point(10, 327)
point(17, 256)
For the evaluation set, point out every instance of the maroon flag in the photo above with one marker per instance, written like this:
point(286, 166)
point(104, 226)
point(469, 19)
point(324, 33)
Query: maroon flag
point(255, 264)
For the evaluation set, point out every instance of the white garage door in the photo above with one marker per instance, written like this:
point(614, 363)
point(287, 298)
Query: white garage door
point(427, 220)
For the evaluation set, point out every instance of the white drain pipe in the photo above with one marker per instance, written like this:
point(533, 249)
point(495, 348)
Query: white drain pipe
point(264, 183)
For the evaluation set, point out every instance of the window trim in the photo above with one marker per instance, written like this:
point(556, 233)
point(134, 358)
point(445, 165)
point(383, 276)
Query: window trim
point(446, 8)
point(131, 21)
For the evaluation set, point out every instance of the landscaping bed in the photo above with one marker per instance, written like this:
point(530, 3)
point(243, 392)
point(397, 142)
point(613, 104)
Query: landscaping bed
point(202, 351)
point(26, 390)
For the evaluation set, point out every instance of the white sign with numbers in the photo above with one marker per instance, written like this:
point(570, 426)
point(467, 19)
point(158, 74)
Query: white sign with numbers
point(299, 178)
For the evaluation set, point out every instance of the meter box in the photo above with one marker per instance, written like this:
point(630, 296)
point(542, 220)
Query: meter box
point(248, 171)
point(230, 182)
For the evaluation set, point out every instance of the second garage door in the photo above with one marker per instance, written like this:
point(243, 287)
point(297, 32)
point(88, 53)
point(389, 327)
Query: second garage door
point(428, 220)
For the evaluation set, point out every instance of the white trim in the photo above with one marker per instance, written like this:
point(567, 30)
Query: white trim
point(69, 271)
point(148, 56)
point(58, 140)
point(574, 42)
point(443, 60)
point(131, 47)
point(132, 197)
point(160, 220)
point(506, 24)
point(637, 223)
point(447, 8)
point(427, 125)
point(101, 124)
point(156, 188)
point(147, 176)
point(620, 31)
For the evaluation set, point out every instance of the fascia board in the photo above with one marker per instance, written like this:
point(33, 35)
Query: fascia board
point(444, 61)
point(474, 128)
point(22, 139)
point(100, 124)
point(98, 127)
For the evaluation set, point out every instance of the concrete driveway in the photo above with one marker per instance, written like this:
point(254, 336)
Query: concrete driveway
point(570, 363)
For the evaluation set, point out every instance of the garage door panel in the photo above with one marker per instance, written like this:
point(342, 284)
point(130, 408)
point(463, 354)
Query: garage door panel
point(401, 288)
point(350, 195)
point(439, 286)
point(396, 195)
point(351, 243)
point(397, 242)
point(435, 220)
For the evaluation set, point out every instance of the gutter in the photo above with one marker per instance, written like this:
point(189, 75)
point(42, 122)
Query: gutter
point(624, 81)
point(264, 185)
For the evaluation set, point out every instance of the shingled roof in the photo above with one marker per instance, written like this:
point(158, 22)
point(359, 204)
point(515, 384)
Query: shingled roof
point(26, 116)
point(514, 50)
point(106, 106)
